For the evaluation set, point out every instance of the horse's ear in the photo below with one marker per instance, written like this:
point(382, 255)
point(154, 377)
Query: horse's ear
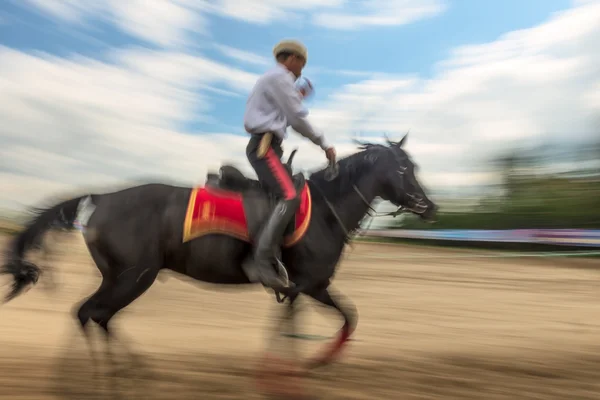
point(291, 158)
point(403, 141)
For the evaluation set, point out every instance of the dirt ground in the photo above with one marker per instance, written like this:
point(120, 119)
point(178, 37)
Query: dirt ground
point(433, 324)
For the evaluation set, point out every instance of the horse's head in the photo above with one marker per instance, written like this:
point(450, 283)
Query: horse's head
point(399, 185)
point(381, 171)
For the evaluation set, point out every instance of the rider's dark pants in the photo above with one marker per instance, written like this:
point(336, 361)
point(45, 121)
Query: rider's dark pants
point(264, 153)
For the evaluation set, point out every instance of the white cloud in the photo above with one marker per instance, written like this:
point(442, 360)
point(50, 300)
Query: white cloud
point(72, 122)
point(182, 69)
point(337, 14)
point(583, 2)
point(593, 97)
point(530, 85)
point(69, 10)
point(266, 11)
point(167, 22)
point(162, 22)
point(563, 35)
point(244, 56)
point(380, 13)
point(21, 192)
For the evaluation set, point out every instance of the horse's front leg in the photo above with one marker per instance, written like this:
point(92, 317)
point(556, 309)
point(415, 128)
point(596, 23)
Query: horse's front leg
point(347, 310)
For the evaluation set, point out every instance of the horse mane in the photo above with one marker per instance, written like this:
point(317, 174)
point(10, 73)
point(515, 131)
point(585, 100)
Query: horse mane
point(351, 169)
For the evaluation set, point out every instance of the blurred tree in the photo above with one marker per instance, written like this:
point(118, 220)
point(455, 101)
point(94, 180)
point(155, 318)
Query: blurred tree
point(550, 186)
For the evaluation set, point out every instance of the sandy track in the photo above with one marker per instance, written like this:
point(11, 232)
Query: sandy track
point(434, 324)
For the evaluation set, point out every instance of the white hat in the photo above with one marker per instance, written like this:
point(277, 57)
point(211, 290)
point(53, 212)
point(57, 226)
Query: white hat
point(290, 45)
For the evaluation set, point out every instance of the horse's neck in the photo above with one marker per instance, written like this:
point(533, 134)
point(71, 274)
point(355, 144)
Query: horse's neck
point(353, 207)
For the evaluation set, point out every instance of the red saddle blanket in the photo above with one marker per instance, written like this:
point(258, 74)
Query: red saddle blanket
point(216, 211)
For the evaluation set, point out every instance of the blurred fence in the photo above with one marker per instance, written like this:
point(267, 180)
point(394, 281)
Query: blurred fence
point(561, 237)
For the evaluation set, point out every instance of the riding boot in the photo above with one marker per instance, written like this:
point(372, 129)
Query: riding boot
point(261, 267)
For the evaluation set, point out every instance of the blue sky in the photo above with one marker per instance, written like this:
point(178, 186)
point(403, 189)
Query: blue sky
point(466, 77)
point(400, 49)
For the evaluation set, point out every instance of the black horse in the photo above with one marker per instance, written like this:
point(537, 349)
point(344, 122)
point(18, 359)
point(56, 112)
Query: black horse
point(133, 233)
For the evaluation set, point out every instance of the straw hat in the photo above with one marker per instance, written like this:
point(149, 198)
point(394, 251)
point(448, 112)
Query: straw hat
point(291, 45)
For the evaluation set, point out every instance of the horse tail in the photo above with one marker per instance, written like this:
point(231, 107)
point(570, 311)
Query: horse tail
point(24, 273)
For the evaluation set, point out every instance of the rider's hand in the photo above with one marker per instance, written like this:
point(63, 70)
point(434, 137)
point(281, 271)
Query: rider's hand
point(330, 153)
point(305, 88)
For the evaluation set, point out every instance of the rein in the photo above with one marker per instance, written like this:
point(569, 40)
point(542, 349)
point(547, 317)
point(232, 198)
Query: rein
point(331, 173)
point(336, 215)
point(349, 234)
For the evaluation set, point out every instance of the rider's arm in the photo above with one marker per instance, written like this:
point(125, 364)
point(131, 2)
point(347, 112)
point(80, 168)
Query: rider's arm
point(290, 100)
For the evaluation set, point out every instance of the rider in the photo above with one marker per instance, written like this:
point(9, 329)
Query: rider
point(274, 104)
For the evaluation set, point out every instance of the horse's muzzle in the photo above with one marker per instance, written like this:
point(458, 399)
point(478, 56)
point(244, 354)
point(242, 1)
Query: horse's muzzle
point(430, 213)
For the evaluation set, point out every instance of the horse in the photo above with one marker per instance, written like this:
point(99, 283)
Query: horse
point(133, 233)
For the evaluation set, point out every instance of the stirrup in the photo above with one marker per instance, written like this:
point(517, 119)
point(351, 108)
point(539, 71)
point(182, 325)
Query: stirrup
point(253, 272)
point(282, 272)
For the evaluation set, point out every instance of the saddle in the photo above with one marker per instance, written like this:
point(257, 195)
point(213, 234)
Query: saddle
point(257, 200)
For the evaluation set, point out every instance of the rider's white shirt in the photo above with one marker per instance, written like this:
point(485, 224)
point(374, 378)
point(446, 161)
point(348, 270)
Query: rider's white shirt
point(275, 103)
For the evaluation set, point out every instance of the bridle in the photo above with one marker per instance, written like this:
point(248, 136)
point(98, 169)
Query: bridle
point(419, 208)
point(419, 202)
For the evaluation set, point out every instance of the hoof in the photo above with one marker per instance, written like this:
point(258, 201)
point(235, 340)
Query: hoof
point(281, 378)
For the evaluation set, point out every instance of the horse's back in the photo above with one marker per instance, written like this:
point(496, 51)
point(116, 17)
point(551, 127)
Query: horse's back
point(140, 195)
point(142, 212)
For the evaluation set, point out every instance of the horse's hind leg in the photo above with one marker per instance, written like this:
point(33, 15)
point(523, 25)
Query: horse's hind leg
point(83, 317)
point(120, 286)
point(125, 288)
point(86, 309)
